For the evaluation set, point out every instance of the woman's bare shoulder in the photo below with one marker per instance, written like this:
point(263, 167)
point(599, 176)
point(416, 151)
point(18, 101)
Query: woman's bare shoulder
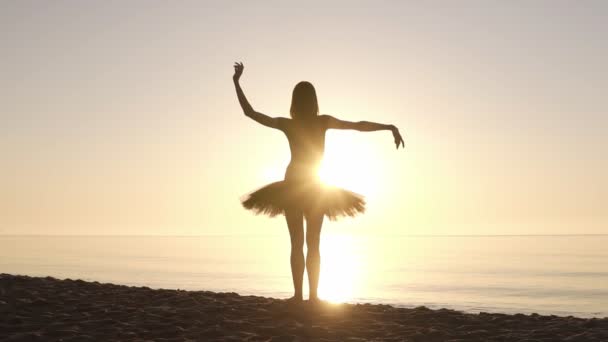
point(284, 122)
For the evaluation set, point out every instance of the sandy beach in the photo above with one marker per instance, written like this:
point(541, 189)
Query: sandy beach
point(48, 309)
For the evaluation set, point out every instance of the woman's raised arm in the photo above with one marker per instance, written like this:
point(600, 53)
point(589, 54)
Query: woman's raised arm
point(364, 126)
point(247, 109)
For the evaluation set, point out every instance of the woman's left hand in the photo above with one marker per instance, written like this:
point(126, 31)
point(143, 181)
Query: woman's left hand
point(397, 137)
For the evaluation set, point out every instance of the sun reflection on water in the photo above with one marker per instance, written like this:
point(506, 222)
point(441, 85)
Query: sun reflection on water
point(340, 272)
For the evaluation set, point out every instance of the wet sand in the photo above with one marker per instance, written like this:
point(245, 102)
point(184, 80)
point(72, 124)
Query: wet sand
point(48, 309)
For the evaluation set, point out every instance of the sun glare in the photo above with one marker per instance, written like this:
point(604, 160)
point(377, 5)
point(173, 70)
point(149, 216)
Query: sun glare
point(350, 165)
point(339, 268)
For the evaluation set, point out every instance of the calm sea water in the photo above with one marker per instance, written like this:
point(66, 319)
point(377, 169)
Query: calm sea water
point(563, 275)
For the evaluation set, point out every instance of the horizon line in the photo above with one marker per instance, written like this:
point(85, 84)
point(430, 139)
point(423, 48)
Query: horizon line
point(271, 235)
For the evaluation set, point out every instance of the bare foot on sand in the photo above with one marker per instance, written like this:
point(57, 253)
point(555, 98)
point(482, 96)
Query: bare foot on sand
point(294, 300)
point(316, 301)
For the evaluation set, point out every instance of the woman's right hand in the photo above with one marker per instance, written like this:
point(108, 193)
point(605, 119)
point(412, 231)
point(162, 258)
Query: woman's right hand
point(238, 71)
point(397, 137)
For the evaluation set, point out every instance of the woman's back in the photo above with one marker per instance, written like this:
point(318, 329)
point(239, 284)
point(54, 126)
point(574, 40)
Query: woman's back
point(306, 140)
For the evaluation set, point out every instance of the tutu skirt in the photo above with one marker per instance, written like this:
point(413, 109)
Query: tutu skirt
point(309, 196)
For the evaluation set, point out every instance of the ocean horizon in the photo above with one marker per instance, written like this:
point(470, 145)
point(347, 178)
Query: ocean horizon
point(546, 274)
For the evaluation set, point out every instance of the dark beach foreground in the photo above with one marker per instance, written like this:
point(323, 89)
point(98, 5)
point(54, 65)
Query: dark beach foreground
point(49, 309)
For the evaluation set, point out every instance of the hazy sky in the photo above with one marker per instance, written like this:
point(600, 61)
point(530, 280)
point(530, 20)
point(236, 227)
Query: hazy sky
point(119, 117)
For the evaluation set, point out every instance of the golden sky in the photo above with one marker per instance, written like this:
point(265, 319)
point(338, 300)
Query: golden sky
point(121, 118)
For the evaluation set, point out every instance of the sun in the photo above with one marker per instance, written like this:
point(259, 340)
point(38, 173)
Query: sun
point(350, 164)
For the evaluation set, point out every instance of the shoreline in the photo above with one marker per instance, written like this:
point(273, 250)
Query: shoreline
point(37, 308)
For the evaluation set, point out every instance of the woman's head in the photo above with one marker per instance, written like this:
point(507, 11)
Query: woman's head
point(304, 101)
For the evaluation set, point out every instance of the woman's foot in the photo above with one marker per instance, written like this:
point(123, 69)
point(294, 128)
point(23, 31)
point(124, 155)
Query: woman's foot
point(315, 300)
point(294, 300)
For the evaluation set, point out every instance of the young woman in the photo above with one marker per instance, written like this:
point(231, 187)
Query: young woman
point(300, 195)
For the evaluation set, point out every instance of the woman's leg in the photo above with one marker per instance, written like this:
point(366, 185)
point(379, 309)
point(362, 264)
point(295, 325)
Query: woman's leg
point(314, 221)
point(296, 233)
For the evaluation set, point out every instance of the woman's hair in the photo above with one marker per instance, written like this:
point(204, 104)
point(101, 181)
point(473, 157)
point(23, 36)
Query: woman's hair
point(304, 101)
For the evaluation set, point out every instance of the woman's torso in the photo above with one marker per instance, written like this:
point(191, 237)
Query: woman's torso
point(307, 144)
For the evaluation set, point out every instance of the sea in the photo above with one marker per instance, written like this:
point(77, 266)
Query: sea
point(546, 274)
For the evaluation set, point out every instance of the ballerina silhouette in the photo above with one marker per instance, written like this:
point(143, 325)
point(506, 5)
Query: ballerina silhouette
point(301, 195)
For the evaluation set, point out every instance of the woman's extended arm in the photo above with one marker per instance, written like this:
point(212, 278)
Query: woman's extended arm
point(247, 109)
point(365, 126)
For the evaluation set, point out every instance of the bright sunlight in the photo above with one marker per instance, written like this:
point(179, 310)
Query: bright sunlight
point(340, 271)
point(351, 164)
